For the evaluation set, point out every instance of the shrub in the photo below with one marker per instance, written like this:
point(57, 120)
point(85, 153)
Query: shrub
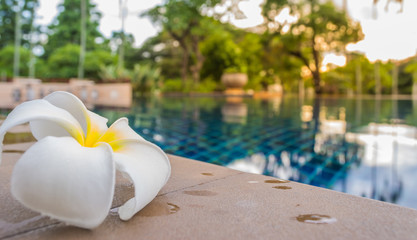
point(173, 85)
point(6, 61)
point(63, 62)
point(145, 78)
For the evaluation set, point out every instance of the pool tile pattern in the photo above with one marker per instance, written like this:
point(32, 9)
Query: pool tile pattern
point(271, 137)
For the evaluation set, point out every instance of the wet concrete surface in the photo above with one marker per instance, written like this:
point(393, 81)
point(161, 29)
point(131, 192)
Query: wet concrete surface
point(205, 201)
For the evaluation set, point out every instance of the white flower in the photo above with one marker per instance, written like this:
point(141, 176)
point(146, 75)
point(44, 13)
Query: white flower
point(69, 174)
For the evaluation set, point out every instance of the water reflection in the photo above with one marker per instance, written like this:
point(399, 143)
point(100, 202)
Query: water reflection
point(361, 146)
point(388, 164)
point(234, 110)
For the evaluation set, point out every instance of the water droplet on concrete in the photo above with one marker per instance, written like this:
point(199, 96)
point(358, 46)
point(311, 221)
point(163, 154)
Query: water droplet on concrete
point(282, 187)
point(173, 208)
point(200, 193)
point(276, 181)
point(155, 209)
point(316, 219)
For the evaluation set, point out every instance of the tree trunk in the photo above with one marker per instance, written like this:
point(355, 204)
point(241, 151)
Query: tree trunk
point(317, 82)
point(185, 55)
point(358, 76)
point(17, 43)
point(377, 79)
point(184, 63)
point(184, 67)
point(395, 79)
point(316, 70)
point(199, 61)
point(82, 40)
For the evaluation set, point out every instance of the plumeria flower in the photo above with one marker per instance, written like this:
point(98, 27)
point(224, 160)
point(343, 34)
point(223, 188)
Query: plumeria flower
point(69, 174)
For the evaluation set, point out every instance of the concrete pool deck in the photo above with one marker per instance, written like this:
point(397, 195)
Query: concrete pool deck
point(205, 201)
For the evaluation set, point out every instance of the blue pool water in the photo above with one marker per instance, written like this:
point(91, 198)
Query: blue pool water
point(364, 147)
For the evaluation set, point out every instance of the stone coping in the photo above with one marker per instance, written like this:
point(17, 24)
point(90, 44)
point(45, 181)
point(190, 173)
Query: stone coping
point(205, 201)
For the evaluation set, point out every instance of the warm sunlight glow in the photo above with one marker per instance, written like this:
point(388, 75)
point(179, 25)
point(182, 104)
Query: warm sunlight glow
point(332, 59)
point(391, 35)
point(388, 35)
point(252, 12)
point(284, 17)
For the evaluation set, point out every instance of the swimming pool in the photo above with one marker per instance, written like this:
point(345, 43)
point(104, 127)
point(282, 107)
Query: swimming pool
point(363, 146)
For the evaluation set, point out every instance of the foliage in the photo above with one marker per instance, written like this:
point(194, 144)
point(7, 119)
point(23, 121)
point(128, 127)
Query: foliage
point(317, 27)
point(251, 54)
point(63, 62)
point(66, 27)
point(222, 54)
point(174, 85)
point(184, 22)
point(340, 79)
point(111, 73)
point(195, 42)
point(116, 39)
point(207, 85)
point(94, 60)
point(411, 68)
point(162, 50)
point(8, 20)
point(145, 78)
point(41, 68)
point(278, 65)
point(6, 61)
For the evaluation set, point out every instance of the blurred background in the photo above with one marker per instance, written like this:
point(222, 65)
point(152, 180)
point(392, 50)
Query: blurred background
point(335, 47)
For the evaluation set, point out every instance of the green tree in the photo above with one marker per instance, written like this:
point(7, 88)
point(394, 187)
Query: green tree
point(318, 27)
point(277, 64)
point(94, 60)
point(63, 62)
point(342, 78)
point(116, 39)
point(223, 55)
point(182, 19)
point(162, 51)
point(145, 78)
point(112, 73)
point(411, 68)
point(252, 52)
point(8, 9)
point(6, 60)
point(66, 28)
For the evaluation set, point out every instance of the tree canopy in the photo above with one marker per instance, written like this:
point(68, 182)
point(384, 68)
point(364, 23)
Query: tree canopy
point(8, 11)
point(316, 28)
point(197, 43)
point(66, 27)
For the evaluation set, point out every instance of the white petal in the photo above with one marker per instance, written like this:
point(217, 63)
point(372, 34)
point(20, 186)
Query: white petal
point(61, 179)
point(148, 168)
point(58, 121)
point(71, 104)
point(92, 124)
point(100, 121)
point(119, 130)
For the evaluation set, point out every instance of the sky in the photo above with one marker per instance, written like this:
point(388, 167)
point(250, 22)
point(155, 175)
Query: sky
point(391, 35)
